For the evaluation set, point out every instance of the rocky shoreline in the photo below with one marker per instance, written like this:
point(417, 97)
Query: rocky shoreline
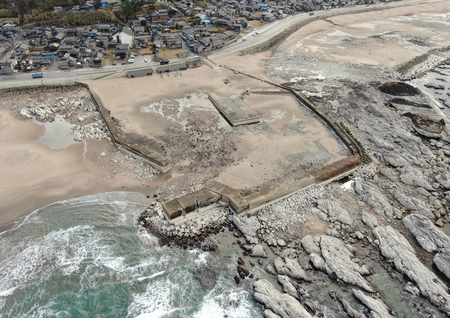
point(391, 208)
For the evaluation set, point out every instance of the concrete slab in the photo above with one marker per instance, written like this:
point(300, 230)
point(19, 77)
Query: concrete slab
point(235, 110)
point(215, 186)
point(228, 192)
point(205, 197)
point(172, 209)
point(275, 192)
point(255, 200)
point(188, 203)
point(300, 182)
point(238, 203)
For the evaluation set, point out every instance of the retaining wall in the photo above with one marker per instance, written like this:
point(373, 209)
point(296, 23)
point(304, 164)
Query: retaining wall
point(154, 158)
point(331, 172)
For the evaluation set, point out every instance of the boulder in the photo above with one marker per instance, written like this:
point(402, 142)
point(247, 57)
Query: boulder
point(281, 304)
point(426, 233)
point(248, 227)
point(317, 261)
point(270, 314)
point(413, 176)
point(309, 245)
point(376, 306)
point(442, 262)
point(389, 173)
point(258, 251)
point(395, 160)
point(444, 180)
point(291, 268)
point(373, 197)
point(413, 204)
point(288, 287)
point(348, 309)
point(396, 248)
point(338, 261)
point(369, 220)
point(270, 269)
point(334, 211)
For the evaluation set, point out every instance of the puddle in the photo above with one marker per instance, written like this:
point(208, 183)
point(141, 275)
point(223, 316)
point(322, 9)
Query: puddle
point(58, 134)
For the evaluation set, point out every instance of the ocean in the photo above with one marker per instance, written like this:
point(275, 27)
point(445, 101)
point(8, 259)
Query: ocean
point(88, 257)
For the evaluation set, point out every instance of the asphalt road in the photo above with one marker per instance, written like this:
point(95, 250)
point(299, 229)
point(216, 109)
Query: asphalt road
point(252, 39)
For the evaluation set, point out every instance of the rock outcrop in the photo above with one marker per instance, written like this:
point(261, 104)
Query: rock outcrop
point(309, 245)
point(348, 309)
point(426, 233)
point(413, 204)
point(281, 304)
point(248, 227)
point(334, 211)
point(338, 261)
point(291, 268)
point(377, 307)
point(412, 176)
point(442, 261)
point(395, 160)
point(317, 261)
point(270, 314)
point(373, 197)
point(258, 251)
point(396, 248)
point(288, 287)
point(369, 220)
point(444, 180)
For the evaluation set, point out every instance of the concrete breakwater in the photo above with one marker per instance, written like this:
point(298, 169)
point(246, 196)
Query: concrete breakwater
point(154, 158)
point(180, 209)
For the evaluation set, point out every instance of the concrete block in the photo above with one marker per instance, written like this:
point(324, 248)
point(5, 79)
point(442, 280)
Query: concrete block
point(205, 197)
point(255, 200)
point(172, 209)
point(300, 182)
point(215, 186)
point(238, 203)
point(275, 192)
point(188, 203)
point(227, 192)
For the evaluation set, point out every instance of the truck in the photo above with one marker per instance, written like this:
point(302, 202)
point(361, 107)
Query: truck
point(37, 75)
point(164, 62)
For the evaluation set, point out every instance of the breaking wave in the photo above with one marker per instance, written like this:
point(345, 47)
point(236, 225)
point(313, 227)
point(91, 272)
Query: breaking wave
point(89, 257)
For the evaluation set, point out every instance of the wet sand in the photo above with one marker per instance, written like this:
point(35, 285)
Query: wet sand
point(33, 175)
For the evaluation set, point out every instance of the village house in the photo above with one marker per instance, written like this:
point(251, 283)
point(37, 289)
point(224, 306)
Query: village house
point(124, 36)
point(21, 49)
point(121, 51)
point(174, 42)
point(5, 68)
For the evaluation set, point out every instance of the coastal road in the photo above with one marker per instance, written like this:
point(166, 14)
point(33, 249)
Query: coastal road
point(270, 30)
point(254, 38)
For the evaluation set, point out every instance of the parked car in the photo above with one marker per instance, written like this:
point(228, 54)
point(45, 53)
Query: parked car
point(164, 62)
point(130, 61)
